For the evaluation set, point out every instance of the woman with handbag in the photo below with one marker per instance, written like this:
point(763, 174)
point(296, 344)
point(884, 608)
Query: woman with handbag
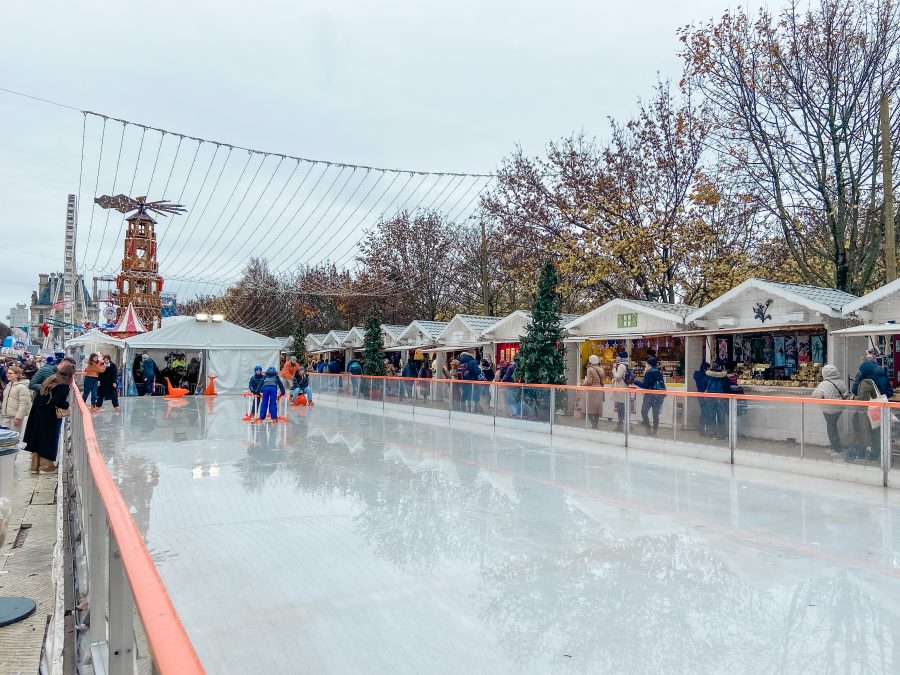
point(594, 378)
point(832, 387)
point(42, 430)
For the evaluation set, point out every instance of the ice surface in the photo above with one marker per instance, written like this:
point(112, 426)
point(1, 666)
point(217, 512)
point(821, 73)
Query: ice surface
point(347, 542)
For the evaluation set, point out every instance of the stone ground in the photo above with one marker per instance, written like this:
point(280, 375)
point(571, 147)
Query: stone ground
point(25, 566)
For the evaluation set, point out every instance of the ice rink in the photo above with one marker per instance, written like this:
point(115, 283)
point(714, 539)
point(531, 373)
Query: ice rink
point(346, 542)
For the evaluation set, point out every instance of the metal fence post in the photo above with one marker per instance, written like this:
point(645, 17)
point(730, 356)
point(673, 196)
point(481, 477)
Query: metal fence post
point(121, 615)
point(674, 416)
point(802, 429)
point(552, 408)
point(627, 417)
point(732, 426)
point(96, 553)
point(886, 419)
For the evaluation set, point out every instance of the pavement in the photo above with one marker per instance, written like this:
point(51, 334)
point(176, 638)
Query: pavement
point(25, 566)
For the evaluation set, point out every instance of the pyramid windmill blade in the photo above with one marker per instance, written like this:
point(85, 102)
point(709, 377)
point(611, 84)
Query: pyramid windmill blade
point(121, 203)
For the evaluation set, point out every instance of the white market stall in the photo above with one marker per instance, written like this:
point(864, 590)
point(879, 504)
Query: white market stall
point(226, 350)
point(353, 343)
point(880, 313)
point(776, 337)
point(633, 326)
point(464, 333)
point(417, 336)
point(506, 335)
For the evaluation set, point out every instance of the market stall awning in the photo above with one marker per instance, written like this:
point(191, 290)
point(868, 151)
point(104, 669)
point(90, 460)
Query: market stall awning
point(750, 329)
point(870, 329)
point(455, 348)
point(403, 348)
point(617, 336)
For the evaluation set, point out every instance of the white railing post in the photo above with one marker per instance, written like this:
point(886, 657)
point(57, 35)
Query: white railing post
point(450, 402)
point(627, 417)
point(121, 615)
point(552, 408)
point(802, 430)
point(886, 418)
point(732, 426)
point(96, 533)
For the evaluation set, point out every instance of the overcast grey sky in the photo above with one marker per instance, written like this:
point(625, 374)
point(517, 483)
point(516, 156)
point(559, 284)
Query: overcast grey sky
point(412, 85)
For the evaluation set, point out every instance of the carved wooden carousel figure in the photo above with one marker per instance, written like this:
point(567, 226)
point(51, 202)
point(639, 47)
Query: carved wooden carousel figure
point(139, 283)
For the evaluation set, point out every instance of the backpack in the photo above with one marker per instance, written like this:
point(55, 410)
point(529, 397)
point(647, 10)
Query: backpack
point(629, 375)
point(461, 370)
point(355, 368)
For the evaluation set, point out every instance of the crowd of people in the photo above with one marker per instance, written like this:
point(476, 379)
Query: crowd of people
point(177, 372)
point(34, 398)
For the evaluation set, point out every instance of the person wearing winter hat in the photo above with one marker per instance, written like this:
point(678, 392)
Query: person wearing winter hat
point(653, 380)
point(832, 386)
point(271, 387)
point(593, 377)
point(622, 377)
point(255, 386)
point(148, 365)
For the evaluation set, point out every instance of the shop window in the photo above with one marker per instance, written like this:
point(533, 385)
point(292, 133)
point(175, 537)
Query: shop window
point(628, 320)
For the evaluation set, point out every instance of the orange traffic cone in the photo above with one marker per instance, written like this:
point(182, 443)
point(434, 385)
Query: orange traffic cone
point(174, 392)
point(211, 387)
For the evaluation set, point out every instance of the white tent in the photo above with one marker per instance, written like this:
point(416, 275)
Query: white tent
point(96, 341)
point(226, 350)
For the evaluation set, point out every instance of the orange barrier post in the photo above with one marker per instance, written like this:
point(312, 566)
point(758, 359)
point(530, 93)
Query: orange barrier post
point(211, 387)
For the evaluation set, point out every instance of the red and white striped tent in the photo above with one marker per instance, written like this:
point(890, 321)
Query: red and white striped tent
point(130, 324)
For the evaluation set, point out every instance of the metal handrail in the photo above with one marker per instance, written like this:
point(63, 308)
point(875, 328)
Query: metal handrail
point(629, 390)
point(134, 581)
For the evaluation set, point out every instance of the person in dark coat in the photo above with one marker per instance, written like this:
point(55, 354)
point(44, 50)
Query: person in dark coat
point(45, 371)
point(137, 375)
point(192, 373)
point(652, 380)
point(700, 382)
point(109, 384)
point(717, 408)
point(255, 386)
point(870, 370)
point(41, 435)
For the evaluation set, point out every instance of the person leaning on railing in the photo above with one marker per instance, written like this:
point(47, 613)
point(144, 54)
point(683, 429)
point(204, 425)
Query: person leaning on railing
point(41, 435)
point(654, 381)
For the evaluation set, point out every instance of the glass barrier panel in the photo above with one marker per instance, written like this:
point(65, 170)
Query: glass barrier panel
point(705, 422)
point(895, 432)
point(405, 390)
point(536, 404)
point(772, 428)
point(829, 434)
point(508, 405)
point(482, 402)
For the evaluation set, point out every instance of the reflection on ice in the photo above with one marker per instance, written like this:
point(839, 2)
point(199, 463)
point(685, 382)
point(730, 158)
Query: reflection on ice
point(343, 542)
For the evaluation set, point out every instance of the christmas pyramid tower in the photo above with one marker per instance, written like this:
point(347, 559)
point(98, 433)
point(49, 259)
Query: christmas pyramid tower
point(139, 284)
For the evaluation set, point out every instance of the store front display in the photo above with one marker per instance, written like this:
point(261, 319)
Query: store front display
point(772, 335)
point(637, 327)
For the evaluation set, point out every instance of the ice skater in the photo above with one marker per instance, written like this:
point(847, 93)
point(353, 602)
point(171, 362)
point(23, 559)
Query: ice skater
point(255, 386)
point(271, 388)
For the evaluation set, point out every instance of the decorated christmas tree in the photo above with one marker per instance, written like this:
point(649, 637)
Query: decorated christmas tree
point(298, 348)
point(541, 358)
point(373, 346)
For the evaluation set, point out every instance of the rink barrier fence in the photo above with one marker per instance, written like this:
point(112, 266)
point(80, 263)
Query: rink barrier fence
point(887, 408)
point(112, 541)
